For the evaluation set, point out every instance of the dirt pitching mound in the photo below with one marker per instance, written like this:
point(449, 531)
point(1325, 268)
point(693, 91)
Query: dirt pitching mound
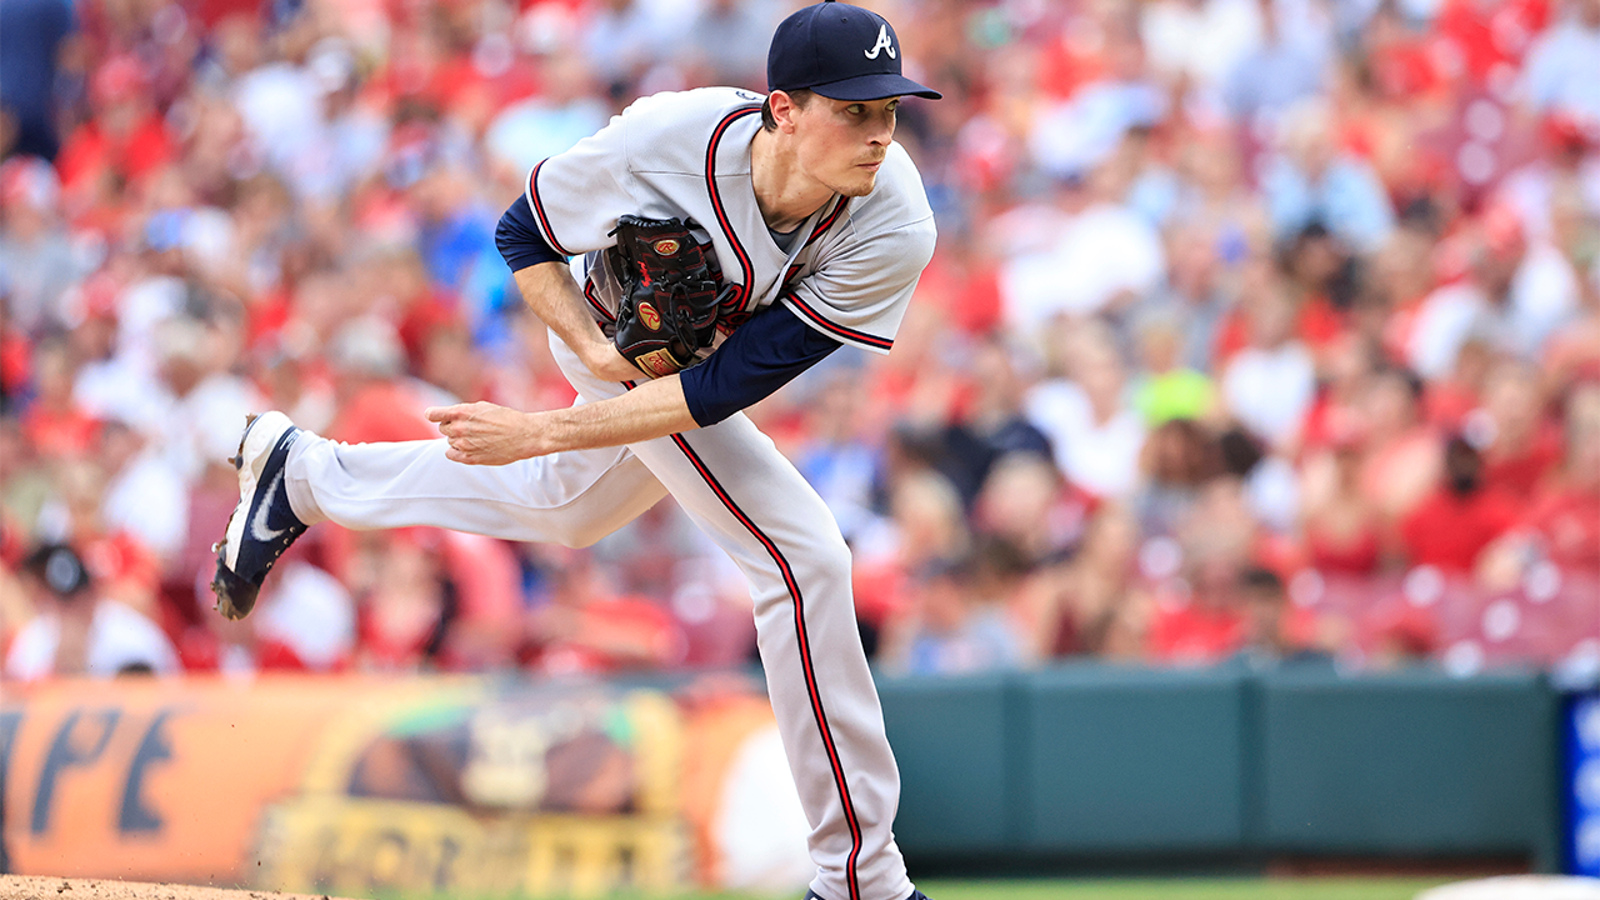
point(31, 887)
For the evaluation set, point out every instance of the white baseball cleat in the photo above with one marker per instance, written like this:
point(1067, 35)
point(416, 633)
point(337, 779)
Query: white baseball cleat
point(263, 525)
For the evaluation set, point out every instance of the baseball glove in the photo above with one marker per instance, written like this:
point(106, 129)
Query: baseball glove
point(669, 294)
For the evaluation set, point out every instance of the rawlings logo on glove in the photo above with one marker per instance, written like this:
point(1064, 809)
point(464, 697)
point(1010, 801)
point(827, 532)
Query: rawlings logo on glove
point(669, 294)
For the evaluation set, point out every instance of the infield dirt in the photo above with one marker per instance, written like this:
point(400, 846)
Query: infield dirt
point(28, 887)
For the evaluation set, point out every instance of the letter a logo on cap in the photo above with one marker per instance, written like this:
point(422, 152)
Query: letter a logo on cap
point(883, 43)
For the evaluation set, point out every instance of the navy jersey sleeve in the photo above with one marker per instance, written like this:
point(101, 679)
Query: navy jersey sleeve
point(765, 354)
point(519, 239)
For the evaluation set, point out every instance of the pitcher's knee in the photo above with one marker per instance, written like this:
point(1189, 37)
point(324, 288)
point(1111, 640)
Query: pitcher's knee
point(824, 564)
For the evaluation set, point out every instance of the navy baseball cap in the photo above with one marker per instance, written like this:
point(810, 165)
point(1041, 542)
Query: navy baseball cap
point(842, 52)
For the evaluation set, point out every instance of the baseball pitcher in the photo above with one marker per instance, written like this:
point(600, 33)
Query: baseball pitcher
point(720, 243)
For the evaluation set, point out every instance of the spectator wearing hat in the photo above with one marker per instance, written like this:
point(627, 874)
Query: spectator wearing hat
point(124, 380)
point(1169, 390)
point(78, 632)
point(375, 400)
point(141, 491)
point(1564, 172)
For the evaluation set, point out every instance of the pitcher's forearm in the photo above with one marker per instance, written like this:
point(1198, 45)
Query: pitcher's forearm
point(651, 410)
point(553, 295)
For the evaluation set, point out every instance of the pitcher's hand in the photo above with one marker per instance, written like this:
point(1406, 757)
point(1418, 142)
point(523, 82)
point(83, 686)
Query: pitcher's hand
point(608, 364)
point(483, 434)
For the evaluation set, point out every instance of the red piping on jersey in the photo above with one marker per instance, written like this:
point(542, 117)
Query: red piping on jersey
point(716, 199)
point(825, 224)
point(805, 657)
point(593, 297)
point(819, 231)
point(538, 210)
point(834, 328)
point(804, 640)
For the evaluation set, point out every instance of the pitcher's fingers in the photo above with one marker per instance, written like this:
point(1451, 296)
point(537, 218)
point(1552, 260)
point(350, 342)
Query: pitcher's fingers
point(443, 413)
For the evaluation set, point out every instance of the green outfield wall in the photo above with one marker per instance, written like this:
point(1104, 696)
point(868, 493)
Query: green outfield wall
point(1100, 762)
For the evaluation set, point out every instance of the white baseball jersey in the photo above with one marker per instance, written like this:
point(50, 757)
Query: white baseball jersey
point(687, 155)
point(849, 274)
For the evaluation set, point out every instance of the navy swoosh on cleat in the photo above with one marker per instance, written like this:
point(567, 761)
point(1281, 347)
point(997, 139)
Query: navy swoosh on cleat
point(263, 542)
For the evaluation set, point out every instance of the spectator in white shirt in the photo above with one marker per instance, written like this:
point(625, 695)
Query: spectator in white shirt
point(1563, 67)
point(1268, 386)
point(139, 491)
point(1095, 432)
point(1104, 257)
point(77, 632)
point(1515, 296)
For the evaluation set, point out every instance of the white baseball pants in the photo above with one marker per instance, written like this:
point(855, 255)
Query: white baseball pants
point(749, 498)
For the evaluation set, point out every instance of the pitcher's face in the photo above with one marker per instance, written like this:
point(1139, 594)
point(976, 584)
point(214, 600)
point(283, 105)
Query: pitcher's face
point(843, 142)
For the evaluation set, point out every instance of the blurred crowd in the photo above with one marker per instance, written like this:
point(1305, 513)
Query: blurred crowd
point(1261, 331)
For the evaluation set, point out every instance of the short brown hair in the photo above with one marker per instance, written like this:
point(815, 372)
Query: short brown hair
point(800, 96)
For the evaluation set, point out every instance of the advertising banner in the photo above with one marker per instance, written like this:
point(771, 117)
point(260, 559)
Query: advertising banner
point(348, 785)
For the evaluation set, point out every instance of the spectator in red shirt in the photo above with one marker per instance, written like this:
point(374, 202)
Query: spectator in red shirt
point(406, 612)
point(54, 423)
point(587, 627)
point(1460, 518)
point(1342, 528)
point(125, 140)
point(1205, 627)
point(1523, 446)
point(375, 401)
point(1566, 516)
point(1402, 461)
point(1489, 38)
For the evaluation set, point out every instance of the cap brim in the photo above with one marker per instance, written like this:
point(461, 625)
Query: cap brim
point(874, 87)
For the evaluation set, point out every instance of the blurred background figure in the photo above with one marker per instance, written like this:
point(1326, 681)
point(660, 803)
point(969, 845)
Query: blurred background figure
point(957, 624)
point(77, 631)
